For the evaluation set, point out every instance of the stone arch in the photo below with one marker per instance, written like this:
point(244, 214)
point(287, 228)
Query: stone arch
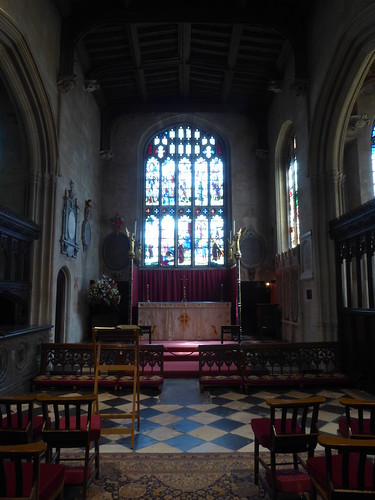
point(169, 121)
point(350, 64)
point(22, 78)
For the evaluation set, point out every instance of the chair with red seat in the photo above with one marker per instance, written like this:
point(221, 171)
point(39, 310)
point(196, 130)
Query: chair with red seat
point(18, 424)
point(348, 474)
point(359, 419)
point(291, 429)
point(23, 476)
point(70, 423)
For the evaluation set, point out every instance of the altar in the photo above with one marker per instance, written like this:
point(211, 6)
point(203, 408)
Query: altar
point(185, 320)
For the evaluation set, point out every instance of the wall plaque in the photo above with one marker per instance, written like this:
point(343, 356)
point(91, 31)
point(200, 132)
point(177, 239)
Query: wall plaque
point(86, 226)
point(69, 240)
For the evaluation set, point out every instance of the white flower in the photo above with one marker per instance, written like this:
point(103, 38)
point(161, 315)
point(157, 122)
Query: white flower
point(104, 291)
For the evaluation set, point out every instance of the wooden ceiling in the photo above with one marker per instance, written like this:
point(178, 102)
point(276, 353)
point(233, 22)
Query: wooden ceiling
point(223, 55)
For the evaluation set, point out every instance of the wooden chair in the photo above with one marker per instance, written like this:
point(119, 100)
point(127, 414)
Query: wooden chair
point(348, 474)
point(145, 330)
point(70, 423)
point(290, 429)
point(23, 476)
point(359, 420)
point(231, 331)
point(18, 424)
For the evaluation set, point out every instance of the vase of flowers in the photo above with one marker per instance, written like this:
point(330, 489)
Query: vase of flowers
point(104, 292)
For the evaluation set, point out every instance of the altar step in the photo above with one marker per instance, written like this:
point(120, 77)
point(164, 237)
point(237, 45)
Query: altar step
point(181, 361)
point(181, 357)
point(181, 369)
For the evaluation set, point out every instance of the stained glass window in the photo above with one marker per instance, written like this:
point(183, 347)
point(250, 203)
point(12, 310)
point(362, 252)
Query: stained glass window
point(292, 179)
point(373, 157)
point(184, 205)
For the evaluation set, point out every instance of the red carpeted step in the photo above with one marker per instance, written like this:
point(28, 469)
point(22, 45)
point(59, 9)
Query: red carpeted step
point(181, 357)
point(181, 369)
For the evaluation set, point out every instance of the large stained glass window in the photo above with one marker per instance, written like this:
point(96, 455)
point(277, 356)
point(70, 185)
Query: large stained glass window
point(373, 157)
point(184, 205)
point(292, 179)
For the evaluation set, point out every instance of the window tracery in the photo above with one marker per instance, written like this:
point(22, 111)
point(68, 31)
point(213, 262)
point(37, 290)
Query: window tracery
point(184, 203)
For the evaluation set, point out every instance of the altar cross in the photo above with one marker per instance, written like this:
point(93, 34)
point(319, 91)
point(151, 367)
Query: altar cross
point(183, 319)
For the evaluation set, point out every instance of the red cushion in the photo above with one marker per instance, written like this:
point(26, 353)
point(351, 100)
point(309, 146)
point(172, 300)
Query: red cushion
point(291, 481)
point(74, 380)
point(51, 477)
point(262, 429)
point(344, 431)
point(94, 429)
point(316, 467)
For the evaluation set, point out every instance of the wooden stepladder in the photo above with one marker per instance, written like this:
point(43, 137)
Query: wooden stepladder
point(116, 350)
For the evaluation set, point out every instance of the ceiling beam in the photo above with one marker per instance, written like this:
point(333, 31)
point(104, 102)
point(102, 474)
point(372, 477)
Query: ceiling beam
point(184, 48)
point(137, 59)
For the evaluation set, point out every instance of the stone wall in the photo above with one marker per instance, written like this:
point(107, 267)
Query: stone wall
point(251, 204)
point(72, 155)
point(20, 358)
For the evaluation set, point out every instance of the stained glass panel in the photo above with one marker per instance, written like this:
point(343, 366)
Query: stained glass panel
point(151, 253)
point(184, 241)
point(293, 197)
point(201, 240)
point(184, 182)
point(167, 240)
point(152, 182)
point(201, 182)
point(216, 182)
point(217, 240)
point(168, 184)
point(373, 157)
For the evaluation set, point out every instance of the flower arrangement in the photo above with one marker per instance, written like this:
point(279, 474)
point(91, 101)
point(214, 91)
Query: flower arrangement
point(104, 291)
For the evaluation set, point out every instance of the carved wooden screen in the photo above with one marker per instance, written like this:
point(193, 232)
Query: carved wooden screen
point(354, 236)
point(16, 237)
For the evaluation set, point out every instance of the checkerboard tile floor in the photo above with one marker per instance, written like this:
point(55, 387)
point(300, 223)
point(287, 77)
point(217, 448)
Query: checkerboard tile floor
point(182, 419)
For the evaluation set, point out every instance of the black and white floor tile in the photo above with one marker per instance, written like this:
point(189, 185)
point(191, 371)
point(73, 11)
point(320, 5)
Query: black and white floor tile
point(182, 419)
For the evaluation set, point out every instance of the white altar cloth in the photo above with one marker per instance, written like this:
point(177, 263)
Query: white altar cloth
point(185, 320)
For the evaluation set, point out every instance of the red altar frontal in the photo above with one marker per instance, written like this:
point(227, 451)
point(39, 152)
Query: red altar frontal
point(185, 320)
